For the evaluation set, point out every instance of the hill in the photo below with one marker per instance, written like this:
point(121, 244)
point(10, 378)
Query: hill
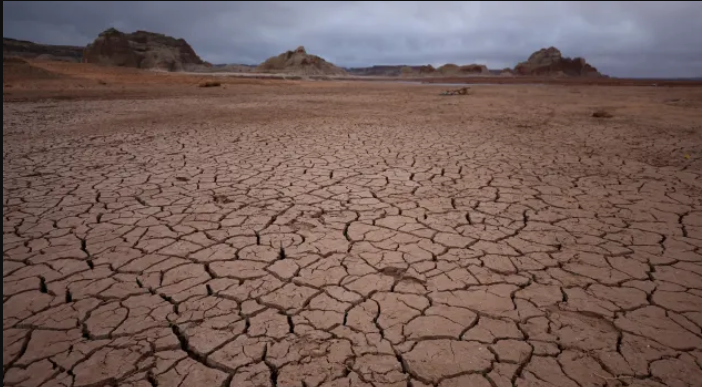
point(30, 50)
point(299, 62)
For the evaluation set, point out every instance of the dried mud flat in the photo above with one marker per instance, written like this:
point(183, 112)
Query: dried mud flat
point(352, 235)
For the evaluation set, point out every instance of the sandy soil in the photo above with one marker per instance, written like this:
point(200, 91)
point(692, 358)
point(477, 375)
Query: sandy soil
point(334, 234)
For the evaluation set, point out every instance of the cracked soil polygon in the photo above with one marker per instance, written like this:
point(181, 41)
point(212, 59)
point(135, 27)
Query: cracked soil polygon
point(355, 235)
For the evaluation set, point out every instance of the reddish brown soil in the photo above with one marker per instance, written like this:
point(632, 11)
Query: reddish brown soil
point(337, 234)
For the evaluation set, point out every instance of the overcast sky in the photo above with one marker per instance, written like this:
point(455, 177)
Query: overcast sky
point(635, 39)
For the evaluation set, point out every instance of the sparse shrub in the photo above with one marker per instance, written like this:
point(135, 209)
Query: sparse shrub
point(211, 84)
point(601, 113)
point(461, 91)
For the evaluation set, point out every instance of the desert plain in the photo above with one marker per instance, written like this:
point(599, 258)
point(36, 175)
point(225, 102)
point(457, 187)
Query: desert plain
point(280, 233)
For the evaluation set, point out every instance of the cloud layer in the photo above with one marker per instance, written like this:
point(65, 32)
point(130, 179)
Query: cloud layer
point(633, 39)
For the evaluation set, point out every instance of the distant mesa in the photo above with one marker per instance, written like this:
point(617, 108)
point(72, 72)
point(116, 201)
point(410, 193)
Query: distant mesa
point(143, 50)
point(550, 62)
point(545, 62)
point(299, 62)
point(29, 50)
point(448, 69)
point(471, 69)
point(428, 69)
point(148, 50)
point(505, 72)
point(451, 70)
point(379, 70)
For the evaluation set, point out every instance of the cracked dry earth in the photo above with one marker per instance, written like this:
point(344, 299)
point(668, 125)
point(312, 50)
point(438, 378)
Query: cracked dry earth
point(352, 237)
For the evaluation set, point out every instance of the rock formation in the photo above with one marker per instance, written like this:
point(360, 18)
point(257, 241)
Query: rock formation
point(549, 61)
point(299, 62)
point(428, 69)
point(473, 69)
point(506, 72)
point(456, 70)
point(448, 69)
point(141, 49)
point(406, 71)
point(30, 50)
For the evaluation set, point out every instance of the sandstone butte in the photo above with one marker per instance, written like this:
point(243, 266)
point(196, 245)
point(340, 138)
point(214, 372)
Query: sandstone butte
point(299, 62)
point(144, 50)
point(550, 61)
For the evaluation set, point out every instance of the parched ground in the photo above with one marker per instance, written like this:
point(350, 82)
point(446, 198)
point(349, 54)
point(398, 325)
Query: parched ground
point(352, 235)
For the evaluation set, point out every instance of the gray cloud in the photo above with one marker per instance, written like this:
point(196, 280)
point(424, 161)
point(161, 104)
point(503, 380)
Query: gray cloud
point(635, 39)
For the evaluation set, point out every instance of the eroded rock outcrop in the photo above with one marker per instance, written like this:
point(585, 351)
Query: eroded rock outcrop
point(456, 70)
point(473, 69)
point(550, 61)
point(141, 49)
point(299, 62)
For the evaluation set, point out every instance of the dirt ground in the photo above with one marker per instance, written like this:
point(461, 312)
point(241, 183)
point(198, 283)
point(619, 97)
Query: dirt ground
point(347, 234)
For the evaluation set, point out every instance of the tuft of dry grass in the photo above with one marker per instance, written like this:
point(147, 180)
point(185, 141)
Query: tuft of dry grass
point(211, 84)
point(601, 113)
point(461, 91)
